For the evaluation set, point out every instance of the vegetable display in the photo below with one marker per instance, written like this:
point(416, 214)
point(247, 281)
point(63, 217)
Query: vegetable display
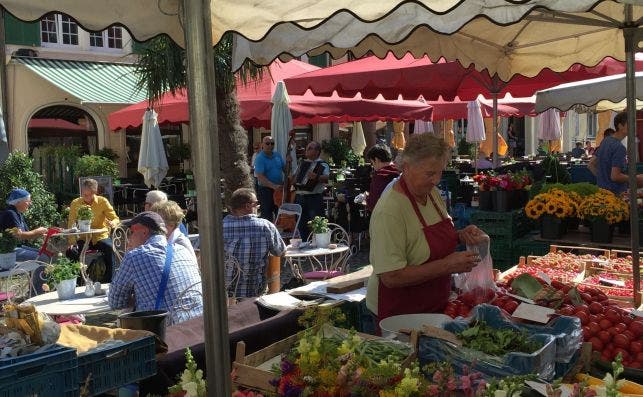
point(497, 342)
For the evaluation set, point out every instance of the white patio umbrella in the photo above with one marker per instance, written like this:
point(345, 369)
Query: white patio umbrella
point(422, 126)
point(601, 92)
point(358, 142)
point(152, 161)
point(475, 128)
point(281, 121)
point(549, 125)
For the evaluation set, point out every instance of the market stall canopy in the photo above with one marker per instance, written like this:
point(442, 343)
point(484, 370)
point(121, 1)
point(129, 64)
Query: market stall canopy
point(411, 78)
point(600, 92)
point(503, 37)
point(453, 110)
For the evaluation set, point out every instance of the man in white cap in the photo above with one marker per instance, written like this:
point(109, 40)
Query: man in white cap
point(156, 273)
point(18, 202)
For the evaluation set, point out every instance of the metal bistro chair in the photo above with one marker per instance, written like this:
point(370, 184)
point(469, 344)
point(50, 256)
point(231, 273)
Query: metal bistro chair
point(329, 265)
point(188, 300)
point(287, 211)
point(232, 269)
point(20, 281)
point(120, 234)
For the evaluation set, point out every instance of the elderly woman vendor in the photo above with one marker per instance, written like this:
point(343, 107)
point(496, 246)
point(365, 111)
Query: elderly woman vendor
point(413, 240)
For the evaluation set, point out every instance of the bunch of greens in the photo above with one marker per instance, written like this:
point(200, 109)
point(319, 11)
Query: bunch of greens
point(497, 342)
point(510, 386)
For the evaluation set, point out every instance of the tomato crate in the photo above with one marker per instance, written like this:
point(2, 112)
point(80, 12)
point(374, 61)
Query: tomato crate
point(53, 372)
point(535, 265)
point(600, 252)
point(625, 292)
point(105, 369)
point(254, 370)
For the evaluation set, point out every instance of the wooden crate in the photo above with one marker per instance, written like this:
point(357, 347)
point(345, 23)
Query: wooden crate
point(528, 261)
point(584, 250)
point(253, 371)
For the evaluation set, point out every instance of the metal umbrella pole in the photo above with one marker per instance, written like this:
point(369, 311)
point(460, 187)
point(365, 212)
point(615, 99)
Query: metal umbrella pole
point(632, 37)
point(494, 95)
point(205, 151)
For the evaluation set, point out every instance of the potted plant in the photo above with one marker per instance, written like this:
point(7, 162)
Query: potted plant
point(603, 209)
point(84, 217)
point(552, 208)
point(321, 231)
point(8, 243)
point(62, 275)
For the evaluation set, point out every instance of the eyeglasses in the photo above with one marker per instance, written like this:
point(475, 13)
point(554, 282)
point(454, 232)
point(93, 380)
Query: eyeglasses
point(269, 143)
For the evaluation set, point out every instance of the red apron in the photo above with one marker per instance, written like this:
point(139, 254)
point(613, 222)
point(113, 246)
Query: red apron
point(431, 296)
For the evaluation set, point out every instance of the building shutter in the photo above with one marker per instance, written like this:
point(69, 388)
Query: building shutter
point(21, 33)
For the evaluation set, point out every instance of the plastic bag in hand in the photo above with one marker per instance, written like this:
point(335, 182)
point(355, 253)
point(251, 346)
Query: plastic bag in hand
point(478, 286)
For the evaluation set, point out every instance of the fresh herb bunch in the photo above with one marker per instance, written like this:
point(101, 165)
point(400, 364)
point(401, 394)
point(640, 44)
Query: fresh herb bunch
point(63, 269)
point(8, 240)
point(497, 342)
point(84, 213)
point(319, 224)
point(509, 386)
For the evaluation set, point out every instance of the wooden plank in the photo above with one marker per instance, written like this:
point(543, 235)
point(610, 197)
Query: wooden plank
point(253, 378)
point(345, 286)
point(556, 248)
point(363, 273)
point(265, 354)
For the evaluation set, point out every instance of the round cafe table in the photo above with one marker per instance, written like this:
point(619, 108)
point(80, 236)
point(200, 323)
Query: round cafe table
point(79, 304)
point(81, 235)
point(321, 259)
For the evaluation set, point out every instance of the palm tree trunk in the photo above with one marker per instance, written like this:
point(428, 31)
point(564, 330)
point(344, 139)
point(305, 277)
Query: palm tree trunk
point(233, 143)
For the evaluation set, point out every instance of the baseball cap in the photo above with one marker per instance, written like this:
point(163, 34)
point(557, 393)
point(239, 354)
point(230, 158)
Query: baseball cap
point(150, 219)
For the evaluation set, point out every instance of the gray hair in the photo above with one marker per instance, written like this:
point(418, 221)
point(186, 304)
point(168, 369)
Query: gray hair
point(420, 147)
point(155, 196)
point(90, 184)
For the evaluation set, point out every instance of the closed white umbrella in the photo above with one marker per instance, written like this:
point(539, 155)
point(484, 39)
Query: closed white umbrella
point(422, 126)
point(549, 125)
point(475, 123)
point(152, 162)
point(358, 142)
point(281, 118)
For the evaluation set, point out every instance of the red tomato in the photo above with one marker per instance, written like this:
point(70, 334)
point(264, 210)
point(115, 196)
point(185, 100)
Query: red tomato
point(584, 317)
point(636, 347)
point(620, 327)
point(613, 331)
point(566, 310)
point(586, 333)
point(635, 364)
point(621, 340)
point(636, 327)
point(510, 307)
point(605, 323)
point(604, 336)
point(593, 318)
point(595, 308)
point(639, 357)
point(594, 328)
point(629, 334)
point(597, 344)
point(586, 297)
point(613, 315)
point(581, 308)
point(626, 320)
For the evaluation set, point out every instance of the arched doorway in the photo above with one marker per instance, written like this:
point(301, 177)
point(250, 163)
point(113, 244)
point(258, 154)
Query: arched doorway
point(62, 125)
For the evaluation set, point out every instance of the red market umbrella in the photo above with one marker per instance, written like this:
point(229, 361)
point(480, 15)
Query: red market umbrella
point(410, 78)
point(456, 109)
point(256, 106)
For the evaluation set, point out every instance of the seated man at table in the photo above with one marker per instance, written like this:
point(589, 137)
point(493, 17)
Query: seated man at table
point(18, 202)
point(155, 283)
point(248, 239)
point(104, 217)
point(578, 151)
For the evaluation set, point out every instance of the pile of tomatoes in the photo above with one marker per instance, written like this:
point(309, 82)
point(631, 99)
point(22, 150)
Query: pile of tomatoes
point(626, 291)
point(462, 305)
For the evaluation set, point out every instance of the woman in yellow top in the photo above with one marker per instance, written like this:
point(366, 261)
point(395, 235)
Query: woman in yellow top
point(104, 218)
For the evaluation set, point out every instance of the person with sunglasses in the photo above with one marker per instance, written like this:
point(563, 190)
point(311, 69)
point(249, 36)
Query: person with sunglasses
point(269, 170)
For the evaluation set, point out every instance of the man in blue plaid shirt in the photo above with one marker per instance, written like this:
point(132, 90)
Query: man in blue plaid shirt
point(142, 268)
point(248, 239)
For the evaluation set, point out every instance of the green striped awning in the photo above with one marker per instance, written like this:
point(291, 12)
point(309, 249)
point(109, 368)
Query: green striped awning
point(90, 82)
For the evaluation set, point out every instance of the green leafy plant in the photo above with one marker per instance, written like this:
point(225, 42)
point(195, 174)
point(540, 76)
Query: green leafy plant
point(96, 166)
point(8, 241)
point(108, 153)
point(554, 171)
point(84, 213)
point(318, 225)
point(497, 342)
point(465, 148)
point(339, 151)
point(17, 171)
point(63, 269)
point(179, 152)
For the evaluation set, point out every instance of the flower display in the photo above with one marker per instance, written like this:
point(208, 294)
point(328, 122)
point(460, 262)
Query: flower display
point(554, 202)
point(604, 205)
point(509, 181)
point(191, 382)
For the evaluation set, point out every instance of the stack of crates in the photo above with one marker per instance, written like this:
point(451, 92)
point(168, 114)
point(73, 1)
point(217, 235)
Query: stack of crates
point(503, 228)
point(529, 246)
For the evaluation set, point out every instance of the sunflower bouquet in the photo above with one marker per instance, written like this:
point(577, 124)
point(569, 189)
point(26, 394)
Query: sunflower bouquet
point(554, 202)
point(604, 205)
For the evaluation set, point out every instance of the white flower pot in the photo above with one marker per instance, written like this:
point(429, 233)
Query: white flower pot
point(85, 225)
point(322, 240)
point(7, 260)
point(66, 289)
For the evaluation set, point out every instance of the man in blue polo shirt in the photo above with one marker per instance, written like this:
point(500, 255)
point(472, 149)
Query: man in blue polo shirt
point(269, 170)
point(609, 159)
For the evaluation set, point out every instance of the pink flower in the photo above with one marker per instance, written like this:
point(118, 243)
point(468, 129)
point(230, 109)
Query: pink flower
point(465, 382)
point(434, 390)
point(437, 377)
point(452, 384)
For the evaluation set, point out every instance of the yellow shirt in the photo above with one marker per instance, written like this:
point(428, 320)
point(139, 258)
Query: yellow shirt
point(397, 239)
point(103, 213)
